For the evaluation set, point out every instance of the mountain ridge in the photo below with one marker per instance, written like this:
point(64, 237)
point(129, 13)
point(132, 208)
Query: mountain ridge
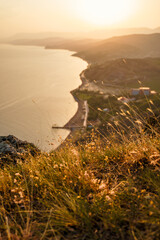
point(129, 46)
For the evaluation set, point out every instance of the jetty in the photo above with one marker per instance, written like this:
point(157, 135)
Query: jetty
point(69, 127)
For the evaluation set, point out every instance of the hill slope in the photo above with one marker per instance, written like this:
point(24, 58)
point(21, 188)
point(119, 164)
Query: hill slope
point(126, 72)
point(131, 46)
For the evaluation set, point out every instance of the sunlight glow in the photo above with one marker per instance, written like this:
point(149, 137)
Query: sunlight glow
point(105, 12)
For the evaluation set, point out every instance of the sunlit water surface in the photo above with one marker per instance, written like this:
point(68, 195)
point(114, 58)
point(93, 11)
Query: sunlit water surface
point(35, 87)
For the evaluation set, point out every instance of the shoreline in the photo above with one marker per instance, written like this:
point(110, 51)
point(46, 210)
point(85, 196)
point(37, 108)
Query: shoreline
point(76, 120)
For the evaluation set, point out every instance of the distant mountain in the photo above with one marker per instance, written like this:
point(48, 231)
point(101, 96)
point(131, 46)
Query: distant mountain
point(99, 51)
point(94, 50)
point(73, 44)
point(156, 29)
point(130, 46)
point(108, 33)
point(96, 34)
point(119, 61)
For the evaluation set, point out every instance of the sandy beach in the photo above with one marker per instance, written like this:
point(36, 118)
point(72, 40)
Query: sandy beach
point(77, 121)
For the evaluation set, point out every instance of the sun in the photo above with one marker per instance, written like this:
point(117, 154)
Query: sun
point(105, 12)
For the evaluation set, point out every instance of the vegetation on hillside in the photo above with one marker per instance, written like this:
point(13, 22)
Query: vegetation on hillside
point(126, 73)
point(130, 46)
point(108, 114)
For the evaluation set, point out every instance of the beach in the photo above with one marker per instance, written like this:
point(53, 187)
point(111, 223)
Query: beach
point(76, 123)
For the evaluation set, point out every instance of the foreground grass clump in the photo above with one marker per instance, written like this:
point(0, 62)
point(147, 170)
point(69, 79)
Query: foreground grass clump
point(92, 191)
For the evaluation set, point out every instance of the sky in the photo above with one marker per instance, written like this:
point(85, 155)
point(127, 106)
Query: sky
point(29, 16)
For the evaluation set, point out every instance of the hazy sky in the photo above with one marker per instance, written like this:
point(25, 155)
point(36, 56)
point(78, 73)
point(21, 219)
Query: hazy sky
point(76, 15)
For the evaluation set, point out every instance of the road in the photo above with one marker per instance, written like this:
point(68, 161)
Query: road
point(86, 114)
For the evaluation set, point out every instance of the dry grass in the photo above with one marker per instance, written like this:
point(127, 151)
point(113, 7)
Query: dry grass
point(93, 191)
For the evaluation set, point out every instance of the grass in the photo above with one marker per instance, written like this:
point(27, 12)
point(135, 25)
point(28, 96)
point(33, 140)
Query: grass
point(98, 190)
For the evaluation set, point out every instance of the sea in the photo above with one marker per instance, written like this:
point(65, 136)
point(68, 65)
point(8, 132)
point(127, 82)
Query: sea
point(35, 85)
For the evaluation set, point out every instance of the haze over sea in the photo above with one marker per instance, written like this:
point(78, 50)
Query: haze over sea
point(35, 86)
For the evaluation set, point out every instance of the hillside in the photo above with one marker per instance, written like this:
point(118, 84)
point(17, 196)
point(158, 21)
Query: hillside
point(126, 73)
point(131, 46)
point(72, 44)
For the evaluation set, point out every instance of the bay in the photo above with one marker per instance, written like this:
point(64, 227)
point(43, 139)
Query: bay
point(35, 86)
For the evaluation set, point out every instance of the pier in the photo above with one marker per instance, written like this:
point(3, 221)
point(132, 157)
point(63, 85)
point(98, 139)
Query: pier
point(68, 127)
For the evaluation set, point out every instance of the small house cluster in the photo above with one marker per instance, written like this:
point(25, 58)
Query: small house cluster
point(142, 91)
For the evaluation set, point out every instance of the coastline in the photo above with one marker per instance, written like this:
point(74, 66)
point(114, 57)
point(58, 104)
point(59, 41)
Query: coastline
point(77, 119)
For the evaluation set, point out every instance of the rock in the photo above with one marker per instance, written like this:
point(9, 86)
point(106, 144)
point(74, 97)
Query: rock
point(12, 149)
point(6, 148)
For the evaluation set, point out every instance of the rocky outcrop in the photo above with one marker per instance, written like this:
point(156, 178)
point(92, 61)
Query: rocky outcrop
point(12, 149)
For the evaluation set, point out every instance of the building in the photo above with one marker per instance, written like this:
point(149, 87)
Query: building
point(135, 92)
point(141, 91)
point(145, 91)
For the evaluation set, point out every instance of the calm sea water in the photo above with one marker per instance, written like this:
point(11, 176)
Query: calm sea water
point(35, 87)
